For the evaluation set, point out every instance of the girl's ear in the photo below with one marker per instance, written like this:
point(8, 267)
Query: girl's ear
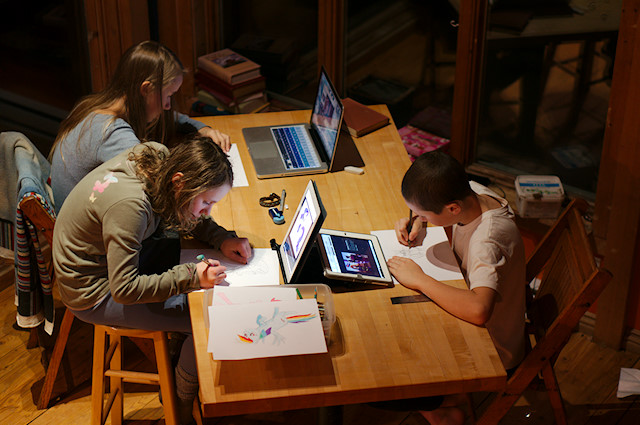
point(145, 88)
point(178, 184)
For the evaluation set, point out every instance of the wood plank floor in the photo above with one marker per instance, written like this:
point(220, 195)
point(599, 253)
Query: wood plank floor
point(587, 372)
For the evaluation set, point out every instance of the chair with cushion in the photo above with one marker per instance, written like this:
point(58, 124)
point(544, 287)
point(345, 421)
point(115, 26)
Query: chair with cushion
point(26, 202)
point(570, 282)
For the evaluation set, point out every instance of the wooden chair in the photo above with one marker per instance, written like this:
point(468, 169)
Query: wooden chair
point(111, 337)
point(570, 284)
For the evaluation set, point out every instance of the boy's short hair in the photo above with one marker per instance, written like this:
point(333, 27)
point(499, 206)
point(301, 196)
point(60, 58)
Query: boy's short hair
point(434, 180)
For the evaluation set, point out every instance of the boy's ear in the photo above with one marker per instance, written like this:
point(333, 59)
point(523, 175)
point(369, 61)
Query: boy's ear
point(453, 208)
point(178, 184)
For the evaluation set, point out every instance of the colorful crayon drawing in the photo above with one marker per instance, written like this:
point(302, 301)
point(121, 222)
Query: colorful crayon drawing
point(269, 327)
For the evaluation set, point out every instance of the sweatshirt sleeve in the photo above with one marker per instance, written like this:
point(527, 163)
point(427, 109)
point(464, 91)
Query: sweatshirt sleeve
point(124, 227)
point(182, 119)
point(212, 233)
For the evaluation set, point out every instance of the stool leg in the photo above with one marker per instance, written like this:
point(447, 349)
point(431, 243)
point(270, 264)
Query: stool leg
point(117, 385)
point(97, 376)
point(167, 382)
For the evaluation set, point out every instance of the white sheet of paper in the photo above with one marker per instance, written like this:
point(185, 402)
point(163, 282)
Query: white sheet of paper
point(228, 295)
point(629, 382)
point(257, 330)
point(263, 267)
point(239, 176)
point(434, 256)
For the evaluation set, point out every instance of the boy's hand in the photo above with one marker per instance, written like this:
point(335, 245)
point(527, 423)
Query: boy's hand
point(210, 273)
point(407, 272)
point(237, 249)
point(417, 234)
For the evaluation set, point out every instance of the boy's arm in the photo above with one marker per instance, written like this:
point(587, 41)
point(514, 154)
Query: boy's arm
point(474, 306)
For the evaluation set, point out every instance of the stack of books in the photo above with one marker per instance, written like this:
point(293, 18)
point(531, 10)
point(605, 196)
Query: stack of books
point(229, 81)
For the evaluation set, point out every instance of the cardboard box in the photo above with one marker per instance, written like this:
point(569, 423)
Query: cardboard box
point(539, 196)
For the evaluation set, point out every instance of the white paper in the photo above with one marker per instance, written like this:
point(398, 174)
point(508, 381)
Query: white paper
point(434, 256)
point(629, 383)
point(263, 267)
point(257, 330)
point(228, 295)
point(239, 176)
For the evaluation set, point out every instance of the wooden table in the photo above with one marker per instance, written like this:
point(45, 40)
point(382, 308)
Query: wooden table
point(378, 351)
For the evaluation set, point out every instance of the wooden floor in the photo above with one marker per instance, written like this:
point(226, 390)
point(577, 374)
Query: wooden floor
point(587, 372)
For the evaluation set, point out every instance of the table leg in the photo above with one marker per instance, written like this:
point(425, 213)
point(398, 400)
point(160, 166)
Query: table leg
point(330, 415)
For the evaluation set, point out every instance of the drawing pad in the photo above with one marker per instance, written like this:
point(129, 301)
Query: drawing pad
point(353, 257)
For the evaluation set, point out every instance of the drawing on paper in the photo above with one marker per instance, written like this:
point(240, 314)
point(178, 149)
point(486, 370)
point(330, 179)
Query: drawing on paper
point(260, 266)
point(270, 327)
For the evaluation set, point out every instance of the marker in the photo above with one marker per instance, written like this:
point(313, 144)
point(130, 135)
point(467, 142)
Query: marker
point(409, 226)
point(284, 195)
point(299, 294)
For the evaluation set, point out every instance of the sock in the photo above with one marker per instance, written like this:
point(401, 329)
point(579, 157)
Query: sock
point(186, 391)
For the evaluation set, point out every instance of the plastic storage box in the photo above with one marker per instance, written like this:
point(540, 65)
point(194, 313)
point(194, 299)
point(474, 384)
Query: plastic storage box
point(539, 196)
point(325, 299)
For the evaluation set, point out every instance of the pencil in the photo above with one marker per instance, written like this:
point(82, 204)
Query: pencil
point(201, 257)
point(409, 226)
point(299, 294)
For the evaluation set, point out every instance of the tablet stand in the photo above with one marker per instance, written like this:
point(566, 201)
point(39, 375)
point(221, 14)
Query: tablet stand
point(311, 272)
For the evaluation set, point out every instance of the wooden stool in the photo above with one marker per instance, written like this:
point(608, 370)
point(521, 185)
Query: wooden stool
point(112, 336)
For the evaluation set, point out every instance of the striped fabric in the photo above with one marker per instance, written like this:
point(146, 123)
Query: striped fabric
point(33, 283)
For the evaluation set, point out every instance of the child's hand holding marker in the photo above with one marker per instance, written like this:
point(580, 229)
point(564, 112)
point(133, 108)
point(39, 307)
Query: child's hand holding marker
point(210, 272)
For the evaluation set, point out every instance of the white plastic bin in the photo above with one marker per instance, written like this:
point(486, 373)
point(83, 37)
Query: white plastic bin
point(539, 196)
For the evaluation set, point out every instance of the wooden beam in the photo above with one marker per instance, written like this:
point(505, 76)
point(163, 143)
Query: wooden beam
point(617, 211)
point(112, 27)
point(331, 40)
point(468, 78)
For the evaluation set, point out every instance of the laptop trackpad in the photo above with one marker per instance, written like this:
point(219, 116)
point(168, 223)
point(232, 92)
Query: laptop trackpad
point(261, 150)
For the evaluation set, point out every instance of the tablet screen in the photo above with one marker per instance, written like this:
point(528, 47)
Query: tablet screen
point(306, 222)
point(351, 255)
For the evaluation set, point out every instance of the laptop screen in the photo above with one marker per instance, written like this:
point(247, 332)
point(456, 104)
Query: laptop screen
point(304, 227)
point(327, 115)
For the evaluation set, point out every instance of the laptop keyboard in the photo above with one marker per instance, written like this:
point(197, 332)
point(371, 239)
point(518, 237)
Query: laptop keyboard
point(295, 147)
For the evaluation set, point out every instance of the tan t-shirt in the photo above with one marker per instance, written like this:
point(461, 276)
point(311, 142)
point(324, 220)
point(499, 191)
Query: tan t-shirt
point(491, 254)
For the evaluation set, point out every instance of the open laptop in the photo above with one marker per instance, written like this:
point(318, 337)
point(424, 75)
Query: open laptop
point(295, 149)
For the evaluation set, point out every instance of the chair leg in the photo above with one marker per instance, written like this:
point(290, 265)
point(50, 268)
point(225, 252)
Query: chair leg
point(32, 342)
point(472, 411)
point(54, 361)
point(167, 381)
point(555, 398)
point(116, 392)
point(97, 378)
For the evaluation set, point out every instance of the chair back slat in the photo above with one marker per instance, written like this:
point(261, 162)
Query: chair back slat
point(560, 282)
